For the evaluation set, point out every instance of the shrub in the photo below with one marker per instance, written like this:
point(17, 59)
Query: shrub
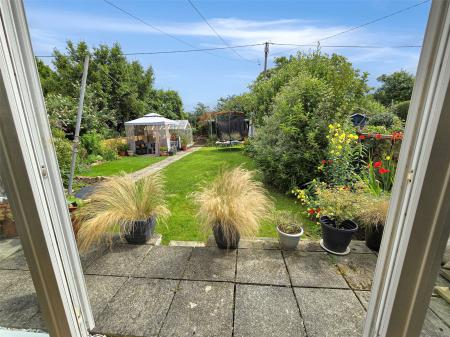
point(388, 120)
point(118, 202)
point(373, 211)
point(401, 110)
point(235, 202)
point(109, 154)
point(63, 149)
point(92, 142)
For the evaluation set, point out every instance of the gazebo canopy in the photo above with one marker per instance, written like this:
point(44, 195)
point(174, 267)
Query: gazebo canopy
point(153, 119)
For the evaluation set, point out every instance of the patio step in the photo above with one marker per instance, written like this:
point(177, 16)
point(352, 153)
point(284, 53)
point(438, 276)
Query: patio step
point(187, 243)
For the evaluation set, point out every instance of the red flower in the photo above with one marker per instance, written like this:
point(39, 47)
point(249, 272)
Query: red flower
point(318, 210)
point(378, 136)
point(362, 137)
point(377, 164)
point(324, 161)
point(311, 211)
point(382, 170)
point(397, 135)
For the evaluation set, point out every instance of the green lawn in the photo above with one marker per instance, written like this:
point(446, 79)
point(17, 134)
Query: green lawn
point(123, 164)
point(185, 176)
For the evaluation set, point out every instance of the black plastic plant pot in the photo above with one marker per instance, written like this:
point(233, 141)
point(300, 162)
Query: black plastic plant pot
point(336, 238)
point(222, 241)
point(141, 231)
point(373, 237)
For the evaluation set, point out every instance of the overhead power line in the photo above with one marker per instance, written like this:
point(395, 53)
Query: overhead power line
point(156, 28)
point(254, 45)
point(214, 30)
point(177, 51)
point(374, 20)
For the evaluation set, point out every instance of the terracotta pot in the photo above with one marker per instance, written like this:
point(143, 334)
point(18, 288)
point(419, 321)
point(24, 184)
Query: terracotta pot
point(123, 153)
point(9, 228)
point(184, 147)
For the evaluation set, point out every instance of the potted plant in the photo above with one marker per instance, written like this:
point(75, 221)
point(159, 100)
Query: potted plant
point(232, 206)
point(289, 230)
point(122, 149)
point(7, 223)
point(338, 205)
point(184, 142)
point(122, 205)
point(163, 151)
point(372, 217)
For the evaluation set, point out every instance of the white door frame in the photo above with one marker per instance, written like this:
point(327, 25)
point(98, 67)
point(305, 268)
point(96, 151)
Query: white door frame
point(31, 176)
point(418, 223)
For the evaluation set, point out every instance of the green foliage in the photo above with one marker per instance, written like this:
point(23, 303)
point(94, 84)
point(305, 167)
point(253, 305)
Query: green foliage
point(92, 142)
point(308, 93)
point(396, 87)
point(242, 103)
point(401, 110)
point(63, 149)
point(167, 103)
point(387, 120)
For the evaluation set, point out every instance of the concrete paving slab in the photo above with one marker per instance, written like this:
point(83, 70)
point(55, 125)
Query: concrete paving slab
point(259, 243)
point(358, 270)
point(313, 269)
point(101, 290)
point(433, 326)
point(18, 300)
point(9, 247)
point(331, 312)
point(120, 261)
point(440, 282)
point(138, 308)
point(164, 262)
point(364, 297)
point(441, 308)
point(200, 309)
point(266, 311)
point(15, 261)
point(187, 243)
point(309, 246)
point(211, 264)
point(359, 247)
point(262, 267)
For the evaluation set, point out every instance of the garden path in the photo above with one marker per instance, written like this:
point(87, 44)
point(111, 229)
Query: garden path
point(257, 290)
point(162, 164)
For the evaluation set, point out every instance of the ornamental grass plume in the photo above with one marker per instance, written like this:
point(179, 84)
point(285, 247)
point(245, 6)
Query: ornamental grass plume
point(373, 212)
point(116, 204)
point(233, 201)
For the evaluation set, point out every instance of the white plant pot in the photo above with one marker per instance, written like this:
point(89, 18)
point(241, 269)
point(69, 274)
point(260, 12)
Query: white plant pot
point(289, 241)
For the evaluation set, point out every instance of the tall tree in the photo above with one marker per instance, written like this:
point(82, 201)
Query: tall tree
point(395, 88)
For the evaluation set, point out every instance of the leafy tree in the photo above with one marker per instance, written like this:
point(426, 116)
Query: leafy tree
point(167, 103)
point(294, 106)
point(117, 90)
point(396, 87)
point(401, 109)
point(242, 103)
point(199, 110)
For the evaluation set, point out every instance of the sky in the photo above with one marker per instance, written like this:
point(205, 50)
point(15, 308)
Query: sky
point(207, 76)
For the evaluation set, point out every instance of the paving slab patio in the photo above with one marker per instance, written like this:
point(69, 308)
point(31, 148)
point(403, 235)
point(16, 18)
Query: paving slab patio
point(201, 309)
point(257, 290)
point(164, 262)
point(358, 270)
point(211, 264)
point(266, 311)
point(262, 267)
point(313, 269)
point(331, 312)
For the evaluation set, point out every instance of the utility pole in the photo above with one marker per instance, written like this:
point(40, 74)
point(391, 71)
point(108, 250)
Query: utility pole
point(76, 139)
point(266, 55)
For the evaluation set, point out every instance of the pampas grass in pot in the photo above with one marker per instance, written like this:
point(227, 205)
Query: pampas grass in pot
point(232, 205)
point(122, 205)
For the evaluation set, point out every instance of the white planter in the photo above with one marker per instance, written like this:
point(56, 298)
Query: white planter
point(289, 241)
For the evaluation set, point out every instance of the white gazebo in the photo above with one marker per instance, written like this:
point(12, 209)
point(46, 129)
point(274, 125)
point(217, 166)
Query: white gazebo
point(153, 131)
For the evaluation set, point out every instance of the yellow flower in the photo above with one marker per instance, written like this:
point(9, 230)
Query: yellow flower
point(388, 158)
point(339, 147)
point(331, 126)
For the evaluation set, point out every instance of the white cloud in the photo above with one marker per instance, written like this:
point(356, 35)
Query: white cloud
point(52, 28)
